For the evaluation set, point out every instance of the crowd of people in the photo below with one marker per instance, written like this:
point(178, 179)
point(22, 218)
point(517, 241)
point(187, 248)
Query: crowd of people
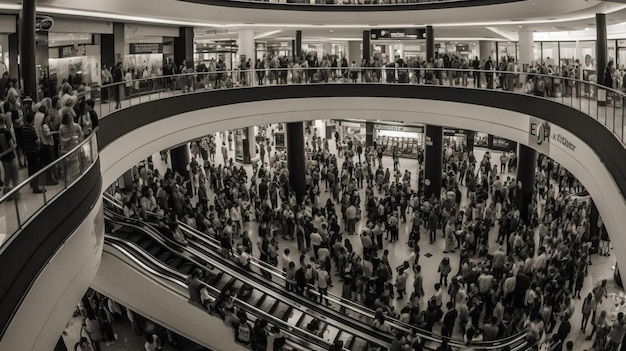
point(523, 281)
point(34, 135)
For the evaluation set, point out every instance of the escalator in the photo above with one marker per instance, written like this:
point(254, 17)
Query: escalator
point(175, 282)
point(157, 252)
point(351, 322)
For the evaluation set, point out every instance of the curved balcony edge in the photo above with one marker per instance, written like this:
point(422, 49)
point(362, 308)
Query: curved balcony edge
point(30, 251)
point(593, 133)
point(263, 5)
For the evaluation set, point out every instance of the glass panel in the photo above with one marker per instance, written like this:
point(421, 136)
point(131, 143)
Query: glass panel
point(550, 53)
point(32, 199)
point(567, 53)
point(8, 220)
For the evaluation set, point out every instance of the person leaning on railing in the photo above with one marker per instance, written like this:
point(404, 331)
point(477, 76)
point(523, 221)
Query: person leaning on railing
point(9, 159)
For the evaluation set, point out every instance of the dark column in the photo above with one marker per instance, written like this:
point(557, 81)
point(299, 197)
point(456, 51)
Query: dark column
point(490, 141)
point(594, 216)
point(28, 66)
point(107, 49)
point(601, 53)
point(369, 134)
point(433, 161)
point(526, 164)
point(297, 51)
point(430, 43)
point(295, 158)
point(14, 49)
point(469, 141)
point(183, 47)
point(366, 45)
point(180, 159)
point(48, 87)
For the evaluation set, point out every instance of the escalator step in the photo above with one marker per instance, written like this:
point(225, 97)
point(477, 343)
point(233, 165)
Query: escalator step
point(260, 302)
point(155, 249)
point(273, 308)
point(215, 279)
point(186, 268)
point(285, 316)
point(135, 237)
point(145, 243)
point(164, 256)
point(174, 262)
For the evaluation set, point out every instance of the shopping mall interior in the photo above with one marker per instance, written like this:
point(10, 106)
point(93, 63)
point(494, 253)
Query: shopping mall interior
point(312, 175)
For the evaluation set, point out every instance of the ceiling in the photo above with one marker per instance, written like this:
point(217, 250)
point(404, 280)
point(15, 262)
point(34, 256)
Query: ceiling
point(492, 22)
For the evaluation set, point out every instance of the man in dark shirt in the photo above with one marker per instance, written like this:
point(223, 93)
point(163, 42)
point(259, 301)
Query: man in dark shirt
point(32, 150)
point(489, 74)
point(449, 320)
point(195, 285)
point(93, 116)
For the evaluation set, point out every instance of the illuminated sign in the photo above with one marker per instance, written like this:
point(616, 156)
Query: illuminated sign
point(398, 34)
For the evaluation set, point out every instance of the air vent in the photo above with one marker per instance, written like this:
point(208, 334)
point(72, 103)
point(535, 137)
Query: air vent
point(551, 19)
point(518, 20)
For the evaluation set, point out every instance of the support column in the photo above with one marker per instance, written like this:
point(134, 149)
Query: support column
point(367, 46)
point(601, 55)
point(183, 47)
point(107, 50)
point(180, 158)
point(119, 42)
point(14, 49)
point(579, 56)
point(298, 49)
point(526, 54)
point(245, 46)
point(27, 48)
point(430, 43)
point(469, 140)
point(369, 134)
point(354, 52)
point(433, 161)
point(526, 165)
point(251, 144)
point(48, 87)
point(295, 158)
point(484, 49)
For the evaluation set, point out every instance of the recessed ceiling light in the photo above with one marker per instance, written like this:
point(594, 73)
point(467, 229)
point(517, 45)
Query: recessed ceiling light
point(332, 30)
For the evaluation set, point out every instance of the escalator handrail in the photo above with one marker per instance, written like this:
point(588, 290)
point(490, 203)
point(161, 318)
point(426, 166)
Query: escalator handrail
point(115, 243)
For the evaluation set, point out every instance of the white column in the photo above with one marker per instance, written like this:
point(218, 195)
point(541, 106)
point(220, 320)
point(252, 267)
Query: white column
point(526, 54)
point(485, 50)
point(579, 56)
point(245, 43)
point(354, 52)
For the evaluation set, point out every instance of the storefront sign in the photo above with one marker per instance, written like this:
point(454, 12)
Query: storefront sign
point(146, 48)
point(72, 51)
point(352, 124)
point(453, 132)
point(563, 140)
point(398, 34)
point(503, 144)
point(408, 129)
point(539, 135)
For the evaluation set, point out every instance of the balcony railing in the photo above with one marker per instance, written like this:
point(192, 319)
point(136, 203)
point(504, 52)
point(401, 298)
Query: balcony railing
point(20, 204)
point(603, 104)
